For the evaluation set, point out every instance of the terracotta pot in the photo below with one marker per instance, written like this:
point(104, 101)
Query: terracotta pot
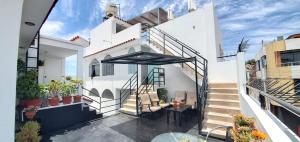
point(54, 101)
point(67, 99)
point(34, 102)
point(77, 98)
point(30, 114)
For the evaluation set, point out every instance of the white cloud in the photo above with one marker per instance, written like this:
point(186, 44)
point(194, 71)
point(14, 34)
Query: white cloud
point(67, 7)
point(233, 26)
point(52, 28)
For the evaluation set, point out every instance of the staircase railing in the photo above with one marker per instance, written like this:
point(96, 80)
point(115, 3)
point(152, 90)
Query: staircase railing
point(111, 102)
point(171, 45)
point(155, 77)
point(128, 88)
point(285, 92)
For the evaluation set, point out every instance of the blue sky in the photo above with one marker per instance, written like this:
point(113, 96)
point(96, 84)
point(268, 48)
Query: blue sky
point(255, 20)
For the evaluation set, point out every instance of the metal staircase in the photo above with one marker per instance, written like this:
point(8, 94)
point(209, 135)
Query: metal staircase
point(129, 101)
point(164, 43)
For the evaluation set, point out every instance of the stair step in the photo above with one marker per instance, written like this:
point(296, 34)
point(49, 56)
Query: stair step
point(130, 106)
point(232, 103)
point(223, 90)
point(128, 111)
point(214, 123)
point(218, 116)
point(223, 109)
point(224, 96)
point(131, 101)
point(222, 85)
point(219, 133)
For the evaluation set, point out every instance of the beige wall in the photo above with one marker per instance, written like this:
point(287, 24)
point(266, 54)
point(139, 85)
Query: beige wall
point(274, 69)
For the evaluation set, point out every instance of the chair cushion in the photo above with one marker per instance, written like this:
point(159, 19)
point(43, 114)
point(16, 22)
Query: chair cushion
point(145, 99)
point(191, 99)
point(152, 109)
point(180, 96)
point(154, 97)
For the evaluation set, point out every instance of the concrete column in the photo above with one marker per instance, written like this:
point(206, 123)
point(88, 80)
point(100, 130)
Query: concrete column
point(80, 67)
point(80, 63)
point(10, 13)
point(241, 72)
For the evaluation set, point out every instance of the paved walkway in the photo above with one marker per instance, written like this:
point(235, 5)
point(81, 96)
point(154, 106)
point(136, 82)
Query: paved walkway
point(120, 128)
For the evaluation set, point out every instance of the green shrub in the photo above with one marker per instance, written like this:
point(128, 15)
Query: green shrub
point(27, 86)
point(29, 132)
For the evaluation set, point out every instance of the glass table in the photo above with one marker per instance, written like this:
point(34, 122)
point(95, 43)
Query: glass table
point(177, 137)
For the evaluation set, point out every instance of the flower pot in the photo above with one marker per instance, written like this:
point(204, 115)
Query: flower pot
point(77, 98)
point(30, 114)
point(54, 101)
point(34, 102)
point(67, 99)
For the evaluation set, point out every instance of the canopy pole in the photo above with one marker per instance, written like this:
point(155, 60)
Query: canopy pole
point(199, 98)
point(137, 89)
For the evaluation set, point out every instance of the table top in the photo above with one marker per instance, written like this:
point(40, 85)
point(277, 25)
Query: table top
point(179, 108)
point(176, 137)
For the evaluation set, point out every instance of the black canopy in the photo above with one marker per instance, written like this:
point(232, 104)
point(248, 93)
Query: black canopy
point(147, 58)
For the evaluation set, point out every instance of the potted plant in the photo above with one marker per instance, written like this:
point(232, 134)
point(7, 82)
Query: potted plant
point(54, 90)
point(30, 112)
point(162, 94)
point(244, 130)
point(29, 132)
point(28, 89)
point(76, 84)
point(40, 63)
point(66, 93)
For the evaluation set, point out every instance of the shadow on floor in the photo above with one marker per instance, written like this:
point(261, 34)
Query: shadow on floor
point(145, 129)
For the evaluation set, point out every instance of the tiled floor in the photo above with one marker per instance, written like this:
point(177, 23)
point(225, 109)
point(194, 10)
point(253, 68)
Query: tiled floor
point(123, 128)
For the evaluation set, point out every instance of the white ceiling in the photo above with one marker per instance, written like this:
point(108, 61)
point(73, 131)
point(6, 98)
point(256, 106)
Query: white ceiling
point(34, 11)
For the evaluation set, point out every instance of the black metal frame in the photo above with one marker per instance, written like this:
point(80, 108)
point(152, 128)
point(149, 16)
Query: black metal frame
point(279, 90)
point(100, 102)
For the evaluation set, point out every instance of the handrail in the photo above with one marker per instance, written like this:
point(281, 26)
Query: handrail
point(286, 105)
point(129, 85)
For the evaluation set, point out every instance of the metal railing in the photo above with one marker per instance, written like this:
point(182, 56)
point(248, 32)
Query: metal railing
point(171, 45)
point(101, 102)
point(128, 88)
point(285, 92)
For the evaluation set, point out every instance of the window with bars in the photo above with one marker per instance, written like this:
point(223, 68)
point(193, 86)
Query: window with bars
point(107, 69)
point(94, 68)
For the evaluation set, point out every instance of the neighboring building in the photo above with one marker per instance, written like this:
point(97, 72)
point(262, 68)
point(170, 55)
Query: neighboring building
point(279, 59)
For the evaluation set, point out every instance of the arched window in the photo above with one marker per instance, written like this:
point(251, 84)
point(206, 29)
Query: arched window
point(107, 94)
point(94, 68)
point(94, 92)
point(107, 69)
point(131, 67)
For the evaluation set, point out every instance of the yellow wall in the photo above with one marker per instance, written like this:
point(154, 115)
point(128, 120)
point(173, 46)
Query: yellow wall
point(274, 69)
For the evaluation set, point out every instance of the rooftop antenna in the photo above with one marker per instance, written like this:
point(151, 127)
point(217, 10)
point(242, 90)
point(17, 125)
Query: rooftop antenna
point(192, 6)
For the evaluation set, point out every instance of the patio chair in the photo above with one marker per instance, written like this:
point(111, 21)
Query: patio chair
point(146, 104)
point(155, 101)
point(180, 96)
point(191, 99)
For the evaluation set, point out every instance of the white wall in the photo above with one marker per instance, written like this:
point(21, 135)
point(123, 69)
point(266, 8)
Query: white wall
point(200, 30)
point(11, 11)
point(115, 82)
point(53, 69)
point(105, 36)
point(176, 80)
point(292, 44)
point(263, 121)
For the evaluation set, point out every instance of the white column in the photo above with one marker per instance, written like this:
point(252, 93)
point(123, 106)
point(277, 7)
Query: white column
point(80, 63)
point(80, 67)
point(10, 13)
point(241, 72)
